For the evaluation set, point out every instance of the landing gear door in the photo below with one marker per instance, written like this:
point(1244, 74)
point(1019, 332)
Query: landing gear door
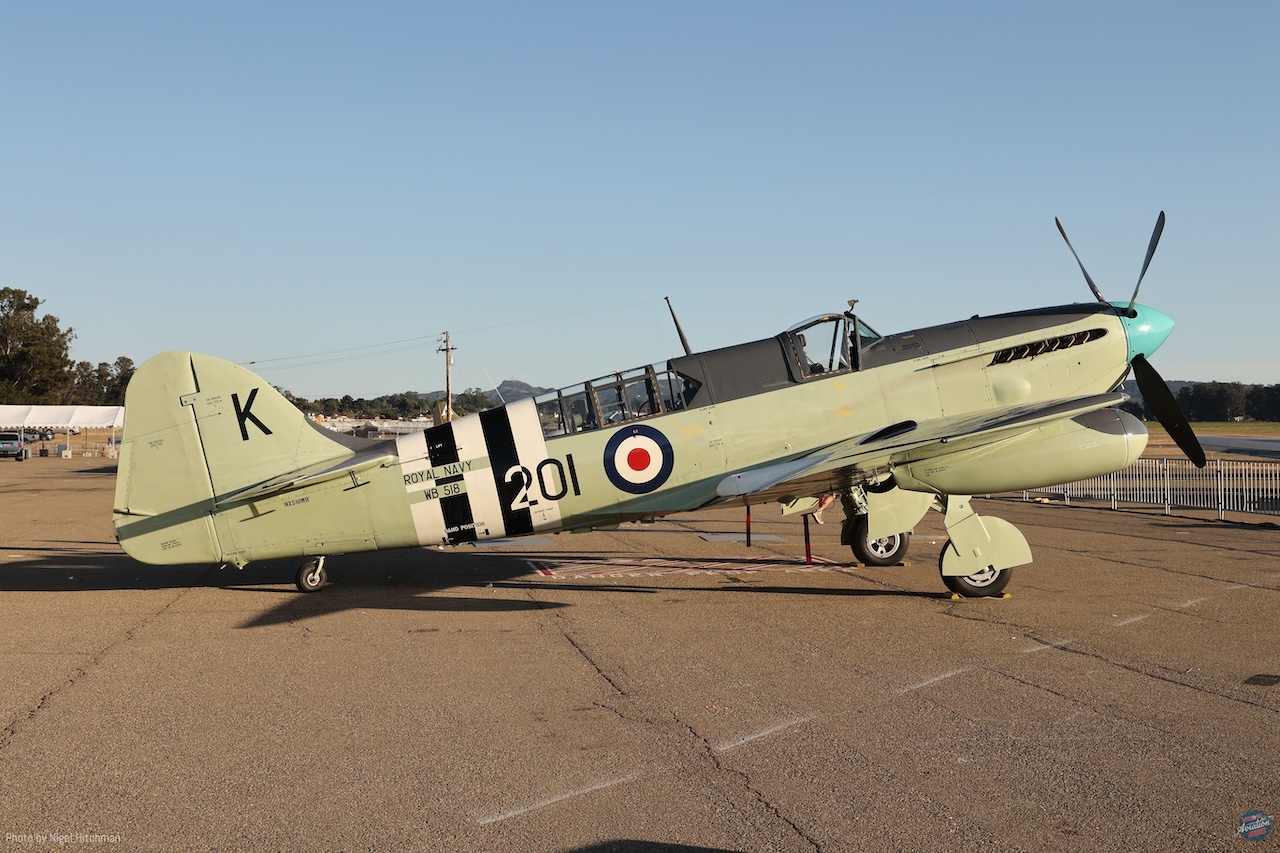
point(895, 511)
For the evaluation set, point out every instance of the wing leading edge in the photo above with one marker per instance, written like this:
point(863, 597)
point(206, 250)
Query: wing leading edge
point(841, 465)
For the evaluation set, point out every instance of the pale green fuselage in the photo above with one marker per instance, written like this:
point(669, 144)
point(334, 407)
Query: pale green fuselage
point(217, 467)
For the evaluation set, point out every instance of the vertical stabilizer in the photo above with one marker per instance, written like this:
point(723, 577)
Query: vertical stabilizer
point(197, 430)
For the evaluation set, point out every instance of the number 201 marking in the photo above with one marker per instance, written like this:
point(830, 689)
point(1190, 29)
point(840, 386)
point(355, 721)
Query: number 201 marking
point(552, 487)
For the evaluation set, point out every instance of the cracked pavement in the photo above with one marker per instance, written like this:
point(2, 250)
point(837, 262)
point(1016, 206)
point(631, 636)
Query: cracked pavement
point(1126, 695)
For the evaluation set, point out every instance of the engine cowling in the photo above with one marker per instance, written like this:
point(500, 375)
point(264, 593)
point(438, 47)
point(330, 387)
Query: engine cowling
point(1090, 445)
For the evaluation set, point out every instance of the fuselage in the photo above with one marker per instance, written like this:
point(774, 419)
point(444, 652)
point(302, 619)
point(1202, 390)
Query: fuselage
point(631, 445)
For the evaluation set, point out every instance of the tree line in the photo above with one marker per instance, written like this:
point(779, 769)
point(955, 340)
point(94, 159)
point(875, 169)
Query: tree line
point(1230, 401)
point(397, 407)
point(36, 369)
point(35, 361)
point(1219, 402)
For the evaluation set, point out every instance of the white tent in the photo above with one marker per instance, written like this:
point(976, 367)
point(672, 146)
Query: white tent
point(62, 417)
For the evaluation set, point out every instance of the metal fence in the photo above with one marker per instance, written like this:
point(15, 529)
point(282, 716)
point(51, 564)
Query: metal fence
point(1222, 485)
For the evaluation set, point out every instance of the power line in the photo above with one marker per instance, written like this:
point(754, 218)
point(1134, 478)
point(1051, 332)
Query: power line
point(340, 355)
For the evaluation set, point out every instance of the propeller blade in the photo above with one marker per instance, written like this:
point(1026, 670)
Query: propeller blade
point(1097, 293)
point(1160, 401)
point(1151, 250)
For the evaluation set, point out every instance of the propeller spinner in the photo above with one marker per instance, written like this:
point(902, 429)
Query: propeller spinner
point(1155, 391)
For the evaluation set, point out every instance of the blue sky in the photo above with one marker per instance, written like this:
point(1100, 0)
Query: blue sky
point(325, 188)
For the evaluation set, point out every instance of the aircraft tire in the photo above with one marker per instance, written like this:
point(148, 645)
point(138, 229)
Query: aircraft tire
point(987, 583)
point(312, 577)
point(889, 551)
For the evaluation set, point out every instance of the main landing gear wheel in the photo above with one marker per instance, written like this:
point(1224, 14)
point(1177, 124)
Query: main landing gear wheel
point(988, 582)
point(312, 577)
point(887, 551)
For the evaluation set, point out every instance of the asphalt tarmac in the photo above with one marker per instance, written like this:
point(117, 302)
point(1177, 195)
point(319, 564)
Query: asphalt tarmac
point(661, 687)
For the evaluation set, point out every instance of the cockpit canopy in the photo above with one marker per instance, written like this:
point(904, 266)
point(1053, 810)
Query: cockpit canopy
point(811, 349)
point(825, 344)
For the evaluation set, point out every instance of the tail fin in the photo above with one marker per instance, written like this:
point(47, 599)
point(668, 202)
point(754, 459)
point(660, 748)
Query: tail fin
point(198, 430)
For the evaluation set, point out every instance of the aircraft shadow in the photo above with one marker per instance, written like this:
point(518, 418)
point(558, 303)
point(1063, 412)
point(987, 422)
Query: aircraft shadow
point(103, 469)
point(1217, 525)
point(394, 580)
point(405, 572)
point(630, 845)
point(402, 580)
point(852, 593)
point(79, 569)
point(657, 586)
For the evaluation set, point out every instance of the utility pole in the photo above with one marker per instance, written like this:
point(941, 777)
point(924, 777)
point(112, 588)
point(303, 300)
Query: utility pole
point(448, 379)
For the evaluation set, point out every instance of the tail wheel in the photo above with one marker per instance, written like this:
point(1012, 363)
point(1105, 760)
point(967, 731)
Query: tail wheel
point(886, 551)
point(312, 577)
point(988, 582)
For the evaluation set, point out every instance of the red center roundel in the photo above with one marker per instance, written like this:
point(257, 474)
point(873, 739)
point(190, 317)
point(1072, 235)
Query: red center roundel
point(638, 459)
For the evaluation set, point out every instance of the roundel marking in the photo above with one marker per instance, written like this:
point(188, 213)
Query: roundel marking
point(638, 459)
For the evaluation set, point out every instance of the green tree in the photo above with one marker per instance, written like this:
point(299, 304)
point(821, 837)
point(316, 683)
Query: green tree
point(35, 365)
point(121, 372)
point(89, 384)
point(1213, 401)
point(101, 386)
point(407, 404)
point(1263, 402)
point(471, 400)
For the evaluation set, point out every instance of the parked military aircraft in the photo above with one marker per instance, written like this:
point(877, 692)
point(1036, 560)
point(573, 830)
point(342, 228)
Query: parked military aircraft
point(217, 467)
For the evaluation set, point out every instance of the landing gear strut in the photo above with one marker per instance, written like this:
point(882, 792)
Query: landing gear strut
point(312, 576)
point(979, 557)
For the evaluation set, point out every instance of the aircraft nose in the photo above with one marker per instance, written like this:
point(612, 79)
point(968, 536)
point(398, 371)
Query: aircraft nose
point(1146, 331)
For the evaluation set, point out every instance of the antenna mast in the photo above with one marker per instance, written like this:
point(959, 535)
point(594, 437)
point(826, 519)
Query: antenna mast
point(683, 341)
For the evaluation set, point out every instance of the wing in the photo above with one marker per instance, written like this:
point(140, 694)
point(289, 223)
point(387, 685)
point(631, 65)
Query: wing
point(841, 465)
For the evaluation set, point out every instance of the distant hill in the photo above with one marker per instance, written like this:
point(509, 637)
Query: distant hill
point(509, 389)
point(514, 389)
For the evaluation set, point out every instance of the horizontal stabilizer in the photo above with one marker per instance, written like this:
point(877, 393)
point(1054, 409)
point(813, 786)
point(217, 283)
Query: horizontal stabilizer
point(311, 476)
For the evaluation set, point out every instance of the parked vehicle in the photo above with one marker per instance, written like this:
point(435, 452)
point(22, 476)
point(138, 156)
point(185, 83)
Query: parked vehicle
point(11, 445)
